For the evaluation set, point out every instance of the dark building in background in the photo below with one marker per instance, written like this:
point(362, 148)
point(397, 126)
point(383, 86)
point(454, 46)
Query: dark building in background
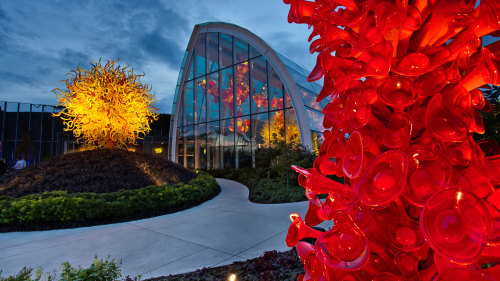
point(29, 130)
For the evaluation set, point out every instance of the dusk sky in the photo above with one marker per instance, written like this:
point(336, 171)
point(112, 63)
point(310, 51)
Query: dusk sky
point(42, 40)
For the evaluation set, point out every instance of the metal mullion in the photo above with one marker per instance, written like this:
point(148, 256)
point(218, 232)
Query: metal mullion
point(250, 96)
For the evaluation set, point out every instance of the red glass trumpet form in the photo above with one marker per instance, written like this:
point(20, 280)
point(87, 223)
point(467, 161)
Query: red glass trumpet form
point(419, 197)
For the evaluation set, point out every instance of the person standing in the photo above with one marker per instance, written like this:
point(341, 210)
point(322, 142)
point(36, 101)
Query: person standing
point(20, 163)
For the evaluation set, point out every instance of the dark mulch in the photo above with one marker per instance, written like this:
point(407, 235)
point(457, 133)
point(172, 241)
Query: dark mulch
point(96, 171)
point(271, 266)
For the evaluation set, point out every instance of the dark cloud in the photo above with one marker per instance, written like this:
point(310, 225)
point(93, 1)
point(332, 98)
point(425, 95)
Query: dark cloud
point(161, 47)
point(71, 59)
point(17, 78)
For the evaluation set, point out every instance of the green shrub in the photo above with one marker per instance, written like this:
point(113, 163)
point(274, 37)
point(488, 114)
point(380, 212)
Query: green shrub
point(91, 208)
point(100, 270)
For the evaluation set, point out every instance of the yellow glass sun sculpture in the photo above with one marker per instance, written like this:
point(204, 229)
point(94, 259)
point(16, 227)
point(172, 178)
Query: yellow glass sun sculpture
point(106, 106)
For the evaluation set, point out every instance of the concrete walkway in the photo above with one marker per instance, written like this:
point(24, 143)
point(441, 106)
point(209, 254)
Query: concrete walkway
point(225, 229)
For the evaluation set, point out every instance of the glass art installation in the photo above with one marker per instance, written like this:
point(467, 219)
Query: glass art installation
point(421, 198)
point(107, 106)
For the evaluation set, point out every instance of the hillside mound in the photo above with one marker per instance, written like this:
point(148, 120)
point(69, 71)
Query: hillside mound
point(98, 171)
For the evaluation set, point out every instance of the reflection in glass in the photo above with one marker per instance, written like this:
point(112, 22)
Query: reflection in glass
point(191, 68)
point(213, 51)
point(226, 94)
point(243, 142)
point(227, 144)
point(180, 146)
point(226, 50)
point(315, 120)
point(189, 136)
point(201, 146)
point(275, 90)
point(259, 85)
point(189, 103)
point(213, 145)
point(288, 101)
point(260, 134)
point(253, 52)
point(309, 98)
point(240, 50)
point(292, 127)
point(201, 106)
point(242, 90)
point(317, 140)
point(213, 96)
point(200, 55)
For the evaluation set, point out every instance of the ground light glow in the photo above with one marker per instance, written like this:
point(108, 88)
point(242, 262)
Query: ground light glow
point(106, 106)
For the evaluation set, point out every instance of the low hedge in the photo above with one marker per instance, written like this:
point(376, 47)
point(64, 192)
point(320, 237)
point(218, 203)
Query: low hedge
point(58, 209)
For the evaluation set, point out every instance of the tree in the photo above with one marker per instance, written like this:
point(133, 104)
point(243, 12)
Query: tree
point(106, 106)
point(492, 119)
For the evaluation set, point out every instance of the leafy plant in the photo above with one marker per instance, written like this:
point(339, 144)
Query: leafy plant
point(99, 270)
point(62, 209)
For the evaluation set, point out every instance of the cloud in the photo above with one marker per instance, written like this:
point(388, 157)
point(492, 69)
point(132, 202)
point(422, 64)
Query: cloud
point(70, 59)
point(163, 48)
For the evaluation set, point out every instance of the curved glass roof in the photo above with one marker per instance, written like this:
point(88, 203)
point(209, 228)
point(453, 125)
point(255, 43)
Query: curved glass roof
point(226, 55)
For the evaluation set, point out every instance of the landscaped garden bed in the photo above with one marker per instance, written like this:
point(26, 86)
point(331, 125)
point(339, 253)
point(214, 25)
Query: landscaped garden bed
point(97, 187)
point(273, 180)
point(272, 266)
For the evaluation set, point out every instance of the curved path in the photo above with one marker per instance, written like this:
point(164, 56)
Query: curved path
point(220, 231)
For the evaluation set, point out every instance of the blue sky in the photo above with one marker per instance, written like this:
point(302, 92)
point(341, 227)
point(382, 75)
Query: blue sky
point(42, 40)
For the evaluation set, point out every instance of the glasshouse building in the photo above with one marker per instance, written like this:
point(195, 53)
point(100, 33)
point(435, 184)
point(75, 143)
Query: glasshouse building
point(236, 95)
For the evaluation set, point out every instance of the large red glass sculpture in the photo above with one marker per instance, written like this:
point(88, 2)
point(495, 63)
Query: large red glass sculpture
point(421, 199)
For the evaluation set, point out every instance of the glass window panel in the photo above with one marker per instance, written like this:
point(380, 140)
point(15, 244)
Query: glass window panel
point(277, 127)
point(180, 146)
point(47, 124)
point(36, 122)
point(240, 50)
point(189, 93)
point(292, 65)
point(23, 125)
point(288, 101)
point(227, 94)
point(242, 90)
point(200, 55)
point(243, 142)
point(213, 145)
point(292, 127)
point(226, 50)
point(300, 79)
point(315, 120)
point(201, 105)
point(8, 148)
point(189, 147)
point(309, 99)
point(10, 121)
point(317, 140)
point(259, 85)
point(213, 51)
point(180, 118)
point(275, 90)
point(191, 68)
point(213, 96)
point(201, 147)
point(227, 143)
point(260, 130)
point(189, 103)
point(253, 52)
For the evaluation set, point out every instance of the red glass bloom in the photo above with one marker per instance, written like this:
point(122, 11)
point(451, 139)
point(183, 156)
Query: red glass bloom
point(402, 80)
